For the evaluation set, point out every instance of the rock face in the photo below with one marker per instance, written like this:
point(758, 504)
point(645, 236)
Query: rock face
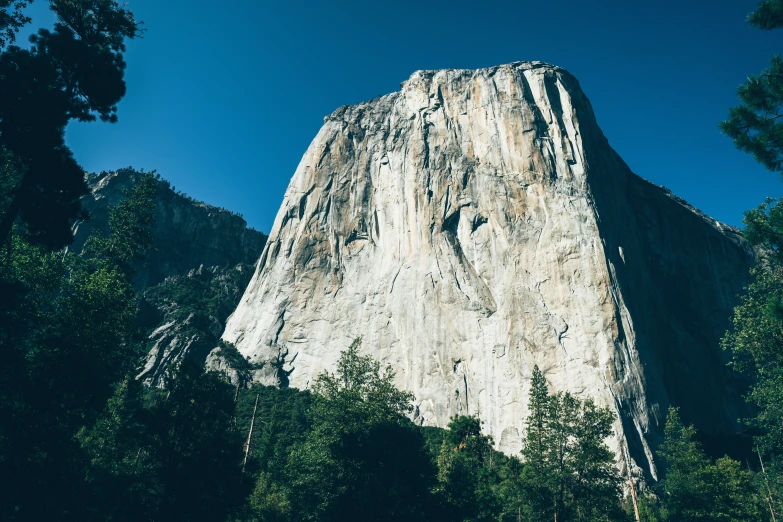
point(477, 223)
point(187, 234)
point(194, 274)
point(190, 313)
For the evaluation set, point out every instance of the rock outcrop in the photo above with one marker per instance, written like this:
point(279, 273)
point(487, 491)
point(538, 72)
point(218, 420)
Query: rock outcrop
point(477, 223)
point(190, 314)
point(193, 276)
point(187, 233)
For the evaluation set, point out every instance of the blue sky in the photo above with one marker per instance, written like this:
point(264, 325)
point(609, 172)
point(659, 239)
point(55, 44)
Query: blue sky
point(224, 97)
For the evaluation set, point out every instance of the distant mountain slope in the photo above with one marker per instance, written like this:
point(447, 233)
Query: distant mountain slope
point(198, 266)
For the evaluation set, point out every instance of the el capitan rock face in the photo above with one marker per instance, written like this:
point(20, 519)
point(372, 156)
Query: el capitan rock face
point(477, 223)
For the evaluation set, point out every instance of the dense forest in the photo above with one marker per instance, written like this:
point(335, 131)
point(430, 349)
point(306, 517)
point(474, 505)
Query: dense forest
point(82, 439)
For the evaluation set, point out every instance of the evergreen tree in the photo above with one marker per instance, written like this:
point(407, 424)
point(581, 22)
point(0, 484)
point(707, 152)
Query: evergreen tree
point(755, 125)
point(563, 412)
point(510, 490)
point(537, 452)
point(74, 72)
point(363, 460)
point(768, 15)
point(131, 222)
point(756, 338)
point(695, 489)
point(120, 476)
point(67, 336)
point(196, 453)
point(569, 472)
point(468, 480)
point(595, 484)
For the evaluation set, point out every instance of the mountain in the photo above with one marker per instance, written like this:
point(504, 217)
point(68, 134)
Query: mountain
point(477, 223)
point(195, 272)
point(187, 233)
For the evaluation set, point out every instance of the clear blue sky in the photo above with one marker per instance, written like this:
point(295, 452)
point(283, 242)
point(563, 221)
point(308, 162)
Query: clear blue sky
point(224, 97)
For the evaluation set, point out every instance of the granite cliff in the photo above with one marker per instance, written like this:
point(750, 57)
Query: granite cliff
point(477, 223)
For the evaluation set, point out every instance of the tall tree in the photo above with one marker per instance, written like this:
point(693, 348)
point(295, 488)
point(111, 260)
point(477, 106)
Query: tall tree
point(756, 337)
point(75, 72)
point(696, 489)
point(67, 336)
point(537, 451)
point(363, 460)
point(569, 471)
point(595, 484)
point(466, 473)
point(196, 451)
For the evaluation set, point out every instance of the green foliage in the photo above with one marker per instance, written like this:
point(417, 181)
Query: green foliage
point(768, 15)
point(695, 489)
point(569, 471)
point(235, 360)
point(282, 423)
point(197, 450)
point(764, 228)
point(756, 338)
point(74, 72)
point(211, 294)
point(67, 336)
point(756, 344)
point(468, 480)
point(198, 304)
point(12, 19)
point(537, 479)
point(755, 125)
point(130, 225)
point(363, 459)
point(172, 456)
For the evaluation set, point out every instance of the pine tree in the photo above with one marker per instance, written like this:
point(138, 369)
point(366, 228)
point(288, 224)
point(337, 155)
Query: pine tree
point(74, 72)
point(467, 477)
point(695, 489)
point(768, 15)
point(363, 460)
point(755, 125)
point(569, 471)
point(537, 452)
point(595, 485)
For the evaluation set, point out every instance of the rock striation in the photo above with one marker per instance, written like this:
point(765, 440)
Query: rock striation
point(477, 223)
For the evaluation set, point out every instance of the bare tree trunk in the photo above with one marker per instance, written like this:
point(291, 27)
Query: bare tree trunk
point(766, 483)
point(633, 497)
point(630, 483)
point(250, 434)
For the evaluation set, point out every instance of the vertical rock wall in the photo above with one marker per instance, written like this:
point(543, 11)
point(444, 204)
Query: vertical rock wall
point(477, 223)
